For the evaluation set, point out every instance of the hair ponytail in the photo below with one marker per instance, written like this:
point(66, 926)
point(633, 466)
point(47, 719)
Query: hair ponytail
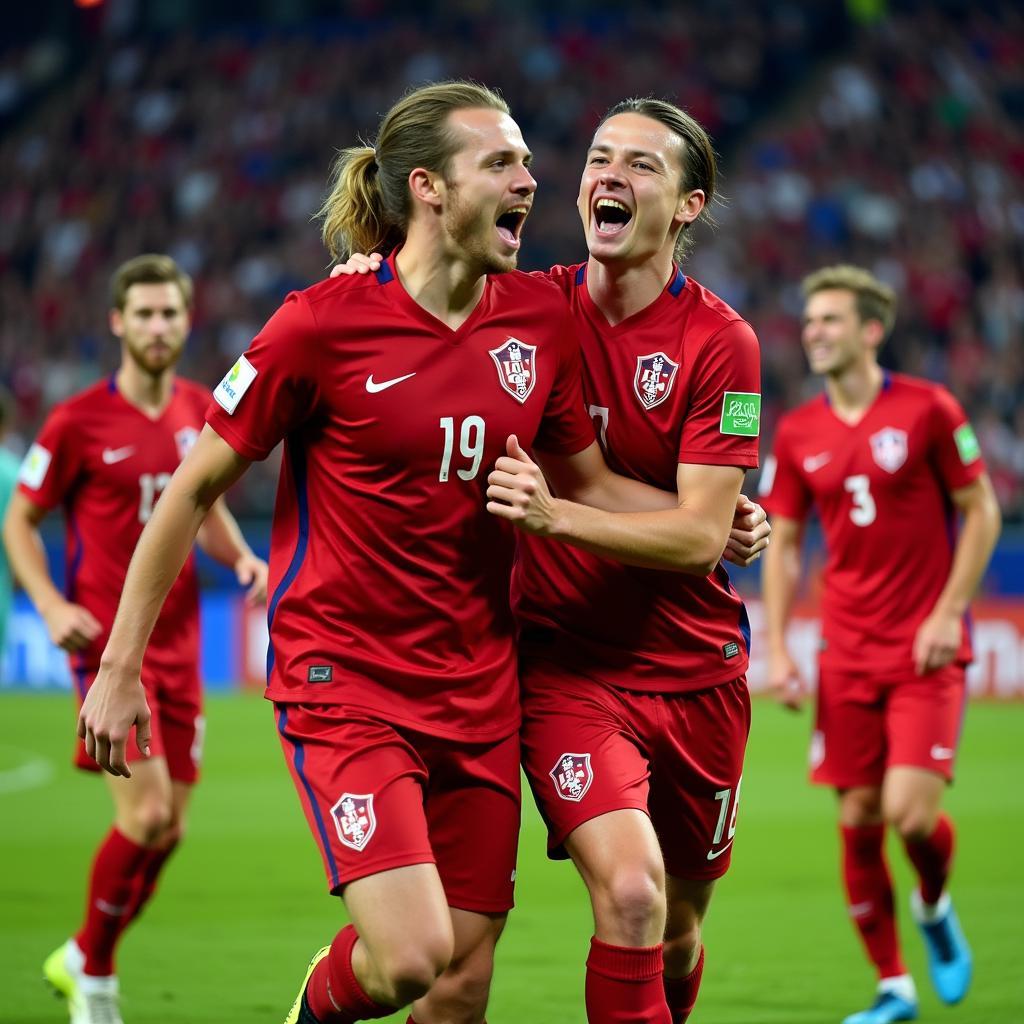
point(354, 217)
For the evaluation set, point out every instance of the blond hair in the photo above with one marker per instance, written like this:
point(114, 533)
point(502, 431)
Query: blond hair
point(875, 300)
point(149, 268)
point(368, 206)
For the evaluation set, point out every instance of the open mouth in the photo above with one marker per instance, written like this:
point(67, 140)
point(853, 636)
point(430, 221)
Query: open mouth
point(510, 224)
point(611, 216)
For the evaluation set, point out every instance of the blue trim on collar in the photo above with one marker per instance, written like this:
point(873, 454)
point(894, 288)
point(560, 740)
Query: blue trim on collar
point(581, 273)
point(678, 284)
point(112, 383)
point(385, 275)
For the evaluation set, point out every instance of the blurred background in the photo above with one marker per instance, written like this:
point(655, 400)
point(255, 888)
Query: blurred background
point(886, 134)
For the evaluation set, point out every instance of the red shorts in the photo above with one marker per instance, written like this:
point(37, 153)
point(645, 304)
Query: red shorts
point(175, 699)
point(378, 797)
point(589, 748)
point(868, 722)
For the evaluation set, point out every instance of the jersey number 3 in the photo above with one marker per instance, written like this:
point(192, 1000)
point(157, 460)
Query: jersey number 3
point(863, 512)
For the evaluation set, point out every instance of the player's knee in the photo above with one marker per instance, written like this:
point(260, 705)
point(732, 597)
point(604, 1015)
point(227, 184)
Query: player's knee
point(410, 972)
point(682, 949)
point(463, 991)
point(912, 823)
point(151, 821)
point(634, 898)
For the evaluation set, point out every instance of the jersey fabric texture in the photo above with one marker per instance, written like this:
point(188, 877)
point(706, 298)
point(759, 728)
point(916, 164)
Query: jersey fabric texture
point(881, 488)
point(389, 580)
point(106, 463)
point(661, 386)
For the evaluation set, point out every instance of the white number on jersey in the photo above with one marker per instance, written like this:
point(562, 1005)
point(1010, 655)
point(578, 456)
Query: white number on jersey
point(599, 414)
point(728, 802)
point(863, 511)
point(471, 445)
point(151, 486)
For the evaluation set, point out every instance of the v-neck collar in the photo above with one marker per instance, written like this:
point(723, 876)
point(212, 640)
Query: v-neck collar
point(115, 390)
point(886, 385)
point(670, 293)
point(387, 276)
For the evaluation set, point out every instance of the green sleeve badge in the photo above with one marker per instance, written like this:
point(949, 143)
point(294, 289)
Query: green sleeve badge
point(741, 414)
point(967, 443)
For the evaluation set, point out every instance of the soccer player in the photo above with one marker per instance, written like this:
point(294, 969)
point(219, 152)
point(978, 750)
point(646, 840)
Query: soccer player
point(887, 461)
point(106, 455)
point(392, 662)
point(635, 705)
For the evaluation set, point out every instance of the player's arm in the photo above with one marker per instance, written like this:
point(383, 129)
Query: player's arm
point(115, 701)
point(689, 536)
point(70, 625)
point(221, 538)
point(780, 578)
point(938, 638)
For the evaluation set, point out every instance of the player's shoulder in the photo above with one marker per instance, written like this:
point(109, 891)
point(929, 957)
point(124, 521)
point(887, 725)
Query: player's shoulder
point(337, 298)
point(705, 305)
point(97, 396)
point(924, 392)
point(536, 289)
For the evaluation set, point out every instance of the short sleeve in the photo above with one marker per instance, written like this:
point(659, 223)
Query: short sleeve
point(723, 419)
point(53, 463)
point(565, 428)
point(782, 490)
point(274, 387)
point(956, 453)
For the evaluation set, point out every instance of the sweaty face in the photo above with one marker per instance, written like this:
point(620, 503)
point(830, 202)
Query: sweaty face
point(833, 333)
point(152, 326)
point(488, 191)
point(630, 199)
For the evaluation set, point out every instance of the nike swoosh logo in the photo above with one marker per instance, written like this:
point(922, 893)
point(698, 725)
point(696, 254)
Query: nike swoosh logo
point(814, 462)
point(940, 753)
point(715, 854)
point(112, 455)
point(373, 387)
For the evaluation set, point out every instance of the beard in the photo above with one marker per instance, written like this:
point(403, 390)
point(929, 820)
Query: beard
point(152, 361)
point(473, 232)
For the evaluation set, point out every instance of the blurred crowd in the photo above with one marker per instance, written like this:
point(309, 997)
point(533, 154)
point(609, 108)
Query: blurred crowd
point(893, 141)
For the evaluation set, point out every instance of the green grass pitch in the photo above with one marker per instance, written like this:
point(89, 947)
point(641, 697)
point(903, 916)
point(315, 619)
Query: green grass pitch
point(242, 906)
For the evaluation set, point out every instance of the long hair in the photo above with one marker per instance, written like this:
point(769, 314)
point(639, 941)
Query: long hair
point(700, 165)
point(368, 206)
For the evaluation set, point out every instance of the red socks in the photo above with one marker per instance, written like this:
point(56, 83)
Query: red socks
point(112, 900)
point(932, 857)
point(870, 897)
point(333, 992)
point(681, 993)
point(624, 985)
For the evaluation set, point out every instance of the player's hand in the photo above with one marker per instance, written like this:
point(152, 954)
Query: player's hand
point(71, 626)
point(750, 533)
point(114, 704)
point(518, 492)
point(251, 572)
point(937, 641)
point(785, 681)
point(358, 263)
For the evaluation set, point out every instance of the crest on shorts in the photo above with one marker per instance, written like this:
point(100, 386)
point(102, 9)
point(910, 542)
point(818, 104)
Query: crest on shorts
point(517, 367)
point(889, 448)
point(185, 439)
point(572, 776)
point(354, 819)
point(655, 375)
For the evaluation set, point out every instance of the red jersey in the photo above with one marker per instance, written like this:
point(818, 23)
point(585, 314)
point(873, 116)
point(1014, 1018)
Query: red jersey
point(389, 579)
point(678, 382)
point(881, 489)
point(107, 462)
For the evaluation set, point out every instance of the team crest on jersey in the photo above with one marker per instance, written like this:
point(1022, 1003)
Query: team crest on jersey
point(572, 776)
point(889, 448)
point(354, 819)
point(655, 375)
point(517, 367)
point(185, 439)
